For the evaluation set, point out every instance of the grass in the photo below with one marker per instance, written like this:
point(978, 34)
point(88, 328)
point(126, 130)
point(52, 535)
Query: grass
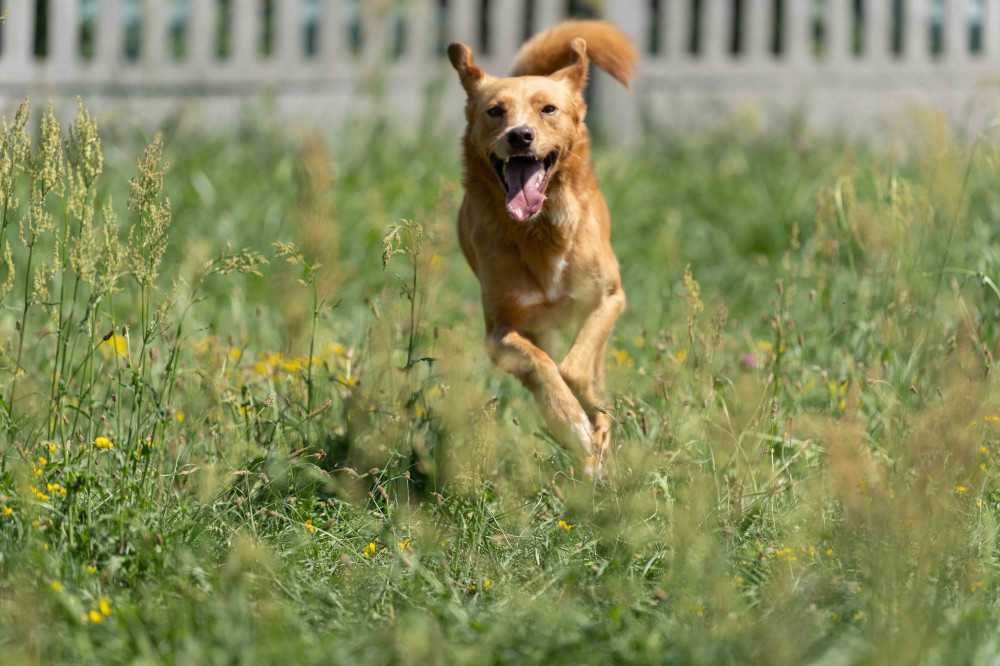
point(257, 425)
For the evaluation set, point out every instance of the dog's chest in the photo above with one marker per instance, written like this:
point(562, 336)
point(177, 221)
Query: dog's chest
point(552, 280)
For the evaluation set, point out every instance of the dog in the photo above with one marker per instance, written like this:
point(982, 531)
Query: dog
point(535, 228)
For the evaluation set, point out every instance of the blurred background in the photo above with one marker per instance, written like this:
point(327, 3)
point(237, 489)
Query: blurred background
point(848, 64)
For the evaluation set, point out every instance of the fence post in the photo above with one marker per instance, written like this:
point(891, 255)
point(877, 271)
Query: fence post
point(876, 32)
point(506, 21)
point(618, 115)
point(915, 31)
point(991, 30)
point(839, 37)
point(154, 33)
point(715, 30)
point(759, 20)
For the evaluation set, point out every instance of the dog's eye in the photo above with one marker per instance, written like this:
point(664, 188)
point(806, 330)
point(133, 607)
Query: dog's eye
point(495, 111)
point(549, 109)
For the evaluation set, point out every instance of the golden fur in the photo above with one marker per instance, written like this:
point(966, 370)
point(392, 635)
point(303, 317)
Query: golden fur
point(535, 228)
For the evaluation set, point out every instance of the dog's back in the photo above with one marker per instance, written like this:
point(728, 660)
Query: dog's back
point(549, 51)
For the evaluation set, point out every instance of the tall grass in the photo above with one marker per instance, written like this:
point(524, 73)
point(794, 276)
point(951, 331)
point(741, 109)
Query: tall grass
point(247, 417)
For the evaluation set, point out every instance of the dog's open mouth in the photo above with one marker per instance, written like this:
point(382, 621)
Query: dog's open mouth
point(524, 179)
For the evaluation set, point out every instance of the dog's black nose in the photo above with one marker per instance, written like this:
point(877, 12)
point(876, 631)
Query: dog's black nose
point(520, 137)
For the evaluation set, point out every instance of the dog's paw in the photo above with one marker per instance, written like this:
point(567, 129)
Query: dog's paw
point(601, 437)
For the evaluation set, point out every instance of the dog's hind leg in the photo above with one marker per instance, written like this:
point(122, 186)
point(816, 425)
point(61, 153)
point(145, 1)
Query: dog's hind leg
point(565, 417)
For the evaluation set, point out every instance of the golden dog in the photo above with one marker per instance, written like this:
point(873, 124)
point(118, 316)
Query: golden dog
point(535, 228)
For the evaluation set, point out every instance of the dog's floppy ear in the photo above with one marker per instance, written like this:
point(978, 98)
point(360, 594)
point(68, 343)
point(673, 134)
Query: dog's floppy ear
point(578, 70)
point(468, 71)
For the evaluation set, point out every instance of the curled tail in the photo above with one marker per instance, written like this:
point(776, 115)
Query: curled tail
point(549, 51)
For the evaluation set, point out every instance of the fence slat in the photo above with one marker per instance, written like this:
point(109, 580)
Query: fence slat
point(617, 108)
point(109, 35)
point(244, 32)
point(201, 32)
point(797, 37)
point(506, 19)
point(876, 31)
point(991, 29)
point(839, 27)
point(956, 24)
point(422, 34)
point(64, 33)
point(18, 28)
point(915, 31)
point(547, 14)
point(333, 33)
point(715, 29)
point(154, 32)
point(758, 22)
point(675, 28)
point(289, 33)
point(462, 26)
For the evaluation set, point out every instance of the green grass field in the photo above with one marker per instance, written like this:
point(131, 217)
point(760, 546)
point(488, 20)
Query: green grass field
point(258, 426)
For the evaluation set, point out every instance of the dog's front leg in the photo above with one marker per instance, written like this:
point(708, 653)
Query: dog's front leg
point(516, 354)
point(584, 365)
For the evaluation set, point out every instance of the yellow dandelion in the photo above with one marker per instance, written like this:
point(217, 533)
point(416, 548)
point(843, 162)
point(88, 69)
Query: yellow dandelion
point(115, 345)
point(336, 349)
point(622, 358)
point(37, 471)
point(94, 616)
point(179, 416)
point(103, 443)
point(370, 549)
point(56, 586)
point(39, 495)
point(348, 380)
point(764, 347)
point(8, 512)
point(53, 448)
point(405, 545)
point(961, 489)
point(234, 354)
point(487, 585)
point(90, 569)
point(309, 527)
point(293, 365)
point(985, 451)
point(42, 462)
point(563, 525)
point(992, 418)
point(56, 489)
point(680, 356)
point(104, 605)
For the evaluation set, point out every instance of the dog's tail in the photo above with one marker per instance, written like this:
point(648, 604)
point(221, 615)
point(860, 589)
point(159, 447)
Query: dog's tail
point(549, 51)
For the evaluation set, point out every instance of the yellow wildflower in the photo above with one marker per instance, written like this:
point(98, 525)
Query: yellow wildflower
point(235, 354)
point(293, 365)
point(336, 349)
point(91, 569)
point(103, 443)
point(104, 605)
point(8, 512)
point(53, 447)
point(764, 347)
point(116, 345)
point(680, 356)
point(95, 616)
point(348, 380)
point(622, 358)
point(961, 489)
point(37, 471)
point(179, 416)
point(39, 495)
point(370, 549)
point(42, 462)
point(56, 586)
point(56, 489)
point(405, 545)
point(563, 525)
point(310, 528)
point(487, 585)
point(992, 418)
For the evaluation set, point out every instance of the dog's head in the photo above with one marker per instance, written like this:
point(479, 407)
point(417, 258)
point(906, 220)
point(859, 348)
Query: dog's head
point(523, 127)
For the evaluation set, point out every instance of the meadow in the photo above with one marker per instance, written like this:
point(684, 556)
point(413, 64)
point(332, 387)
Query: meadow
point(246, 416)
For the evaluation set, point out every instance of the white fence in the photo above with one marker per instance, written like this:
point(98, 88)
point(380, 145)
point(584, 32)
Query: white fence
point(846, 62)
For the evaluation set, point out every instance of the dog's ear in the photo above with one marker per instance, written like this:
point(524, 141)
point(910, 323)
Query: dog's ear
point(468, 71)
point(578, 70)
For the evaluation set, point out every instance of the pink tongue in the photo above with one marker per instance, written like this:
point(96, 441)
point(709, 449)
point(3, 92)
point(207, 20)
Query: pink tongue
point(525, 178)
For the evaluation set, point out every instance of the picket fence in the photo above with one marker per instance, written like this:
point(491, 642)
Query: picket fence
point(854, 64)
